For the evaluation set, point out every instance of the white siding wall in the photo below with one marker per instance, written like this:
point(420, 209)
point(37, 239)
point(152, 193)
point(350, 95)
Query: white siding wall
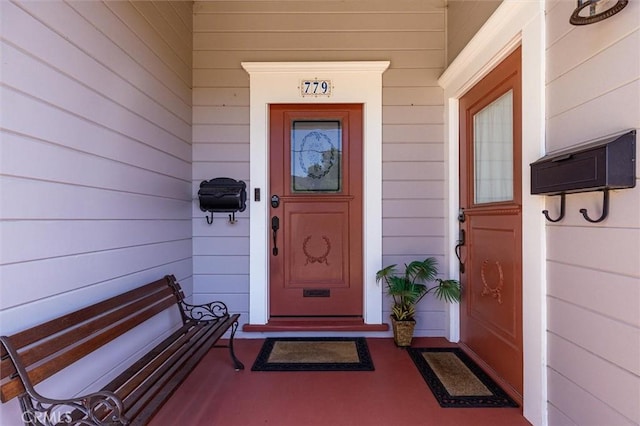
point(95, 164)
point(593, 90)
point(408, 33)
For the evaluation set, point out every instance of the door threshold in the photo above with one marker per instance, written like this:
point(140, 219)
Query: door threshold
point(305, 324)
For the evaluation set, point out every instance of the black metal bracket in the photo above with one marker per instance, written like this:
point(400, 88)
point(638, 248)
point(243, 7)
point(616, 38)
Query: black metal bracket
point(562, 210)
point(603, 216)
point(232, 218)
point(605, 209)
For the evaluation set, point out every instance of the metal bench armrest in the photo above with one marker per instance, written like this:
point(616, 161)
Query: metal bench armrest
point(87, 409)
point(212, 311)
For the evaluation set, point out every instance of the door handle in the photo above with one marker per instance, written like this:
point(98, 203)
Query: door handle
point(458, 249)
point(461, 239)
point(275, 225)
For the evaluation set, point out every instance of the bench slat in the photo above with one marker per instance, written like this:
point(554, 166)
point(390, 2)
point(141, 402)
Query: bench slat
point(78, 331)
point(157, 377)
point(14, 387)
point(180, 372)
point(135, 375)
point(41, 331)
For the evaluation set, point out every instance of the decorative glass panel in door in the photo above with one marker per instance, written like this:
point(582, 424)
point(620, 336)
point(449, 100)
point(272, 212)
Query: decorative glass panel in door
point(316, 156)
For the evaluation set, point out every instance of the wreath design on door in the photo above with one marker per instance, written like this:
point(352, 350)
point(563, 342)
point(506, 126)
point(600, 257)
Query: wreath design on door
point(316, 259)
point(495, 292)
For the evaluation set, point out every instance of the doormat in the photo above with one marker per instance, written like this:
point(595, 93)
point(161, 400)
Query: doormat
point(314, 354)
point(456, 380)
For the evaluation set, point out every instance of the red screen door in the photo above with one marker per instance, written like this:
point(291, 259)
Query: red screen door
point(491, 219)
point(316, 211)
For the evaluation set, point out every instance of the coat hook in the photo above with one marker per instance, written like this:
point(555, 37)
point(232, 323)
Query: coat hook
point(209, 220)
point(605, 209)
point(562, 204)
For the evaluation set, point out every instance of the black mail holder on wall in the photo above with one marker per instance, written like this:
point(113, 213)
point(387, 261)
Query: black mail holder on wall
point(603, 165)
point(224, 195)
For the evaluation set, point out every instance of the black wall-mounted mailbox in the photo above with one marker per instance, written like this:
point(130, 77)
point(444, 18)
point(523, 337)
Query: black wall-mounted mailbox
point(222, 195)
point(606, 164)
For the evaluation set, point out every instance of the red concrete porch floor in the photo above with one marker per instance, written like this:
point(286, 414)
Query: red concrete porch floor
point(393, 395)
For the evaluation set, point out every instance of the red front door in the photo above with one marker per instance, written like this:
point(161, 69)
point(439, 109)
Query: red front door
point(316, 211)
point(491, 220)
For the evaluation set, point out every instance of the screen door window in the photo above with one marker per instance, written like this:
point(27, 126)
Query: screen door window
point(493, 151)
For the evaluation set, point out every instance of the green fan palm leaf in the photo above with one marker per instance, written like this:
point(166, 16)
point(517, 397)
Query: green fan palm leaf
point(408, 287)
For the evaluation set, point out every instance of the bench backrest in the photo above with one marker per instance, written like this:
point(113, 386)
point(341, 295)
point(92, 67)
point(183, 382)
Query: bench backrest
point(47, 348)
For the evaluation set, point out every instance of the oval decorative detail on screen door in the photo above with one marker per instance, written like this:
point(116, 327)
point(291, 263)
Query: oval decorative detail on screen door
point(316, 259)
point(495, 292)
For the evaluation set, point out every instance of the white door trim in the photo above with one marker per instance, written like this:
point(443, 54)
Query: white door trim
point(514, 23)
point(279, 82)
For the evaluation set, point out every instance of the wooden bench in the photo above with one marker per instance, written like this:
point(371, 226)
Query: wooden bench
point(33, 355)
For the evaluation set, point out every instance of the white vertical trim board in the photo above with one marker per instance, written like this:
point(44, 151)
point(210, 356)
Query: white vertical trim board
point(514, 23)
point(278, 82)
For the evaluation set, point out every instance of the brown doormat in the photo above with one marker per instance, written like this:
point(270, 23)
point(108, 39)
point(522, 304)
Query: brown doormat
point(457, 381)
point(314, 354)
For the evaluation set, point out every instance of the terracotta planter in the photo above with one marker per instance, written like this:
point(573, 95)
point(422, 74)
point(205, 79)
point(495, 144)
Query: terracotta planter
point(403, 332)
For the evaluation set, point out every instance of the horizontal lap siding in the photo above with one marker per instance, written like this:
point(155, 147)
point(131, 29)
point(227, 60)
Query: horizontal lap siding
point(408, 33)
point(96, 180)
point(593, 90)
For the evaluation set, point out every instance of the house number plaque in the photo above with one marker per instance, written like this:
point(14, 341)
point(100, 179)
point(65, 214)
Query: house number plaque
point(315, 87)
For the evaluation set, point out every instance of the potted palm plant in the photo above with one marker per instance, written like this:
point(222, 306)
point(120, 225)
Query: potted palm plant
point(408, 287)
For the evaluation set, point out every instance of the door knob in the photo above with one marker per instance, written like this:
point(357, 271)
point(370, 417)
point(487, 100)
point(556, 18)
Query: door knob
point(461, 215)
